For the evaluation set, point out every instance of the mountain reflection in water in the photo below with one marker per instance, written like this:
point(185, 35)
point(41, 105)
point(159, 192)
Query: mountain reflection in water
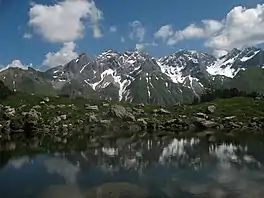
point(177, 168)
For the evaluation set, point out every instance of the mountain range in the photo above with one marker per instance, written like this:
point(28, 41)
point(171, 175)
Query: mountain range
point(135, 76)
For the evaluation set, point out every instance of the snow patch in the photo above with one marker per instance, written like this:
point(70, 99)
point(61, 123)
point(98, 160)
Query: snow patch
point(223, 67)
point(174, 73)
point(84, 67)
point(244, 59)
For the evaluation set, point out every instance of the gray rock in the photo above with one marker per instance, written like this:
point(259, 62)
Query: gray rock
point(63, 117)
point(161, 111)
point(129, 117)
point(33, 116)
point(211, 108)
point(206, 123)
point(57, 119)
point(105, 122)
point(174, 121)
point(201, 115)
point(92, 118)
point(182, 116)
point(61, 106)
point(9, 113)
point(142, 121)
point(36, 107)
point(92, 108)
point(141, 105)
point(119, 111)
point(229, 118)
point(105, 105)
point(46, 99)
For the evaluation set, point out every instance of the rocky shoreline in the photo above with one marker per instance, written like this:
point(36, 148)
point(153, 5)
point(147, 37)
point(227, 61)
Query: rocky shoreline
point(105, 121)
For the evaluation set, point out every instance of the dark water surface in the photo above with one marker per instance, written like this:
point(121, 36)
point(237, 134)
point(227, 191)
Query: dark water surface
point(176, 168)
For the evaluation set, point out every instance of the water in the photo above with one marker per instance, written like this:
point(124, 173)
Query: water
point(176, 168)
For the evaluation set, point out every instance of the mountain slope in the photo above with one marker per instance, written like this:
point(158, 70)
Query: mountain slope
point(27, 80)
point(237, 60)
point(134, 76)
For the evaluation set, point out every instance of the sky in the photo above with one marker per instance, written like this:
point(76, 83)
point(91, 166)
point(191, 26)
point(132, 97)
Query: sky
point(48, 33)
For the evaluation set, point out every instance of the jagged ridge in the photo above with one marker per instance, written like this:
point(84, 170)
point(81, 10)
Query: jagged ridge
point(135, 76)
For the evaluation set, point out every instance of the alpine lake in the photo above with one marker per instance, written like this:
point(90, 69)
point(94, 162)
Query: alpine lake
point(155, 168)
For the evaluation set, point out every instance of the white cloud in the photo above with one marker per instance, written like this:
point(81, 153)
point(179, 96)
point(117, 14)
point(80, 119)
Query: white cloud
point(27, 36)
point(242, 28)
point(138, 31)
point(140, 46)
point(164, 32)
point(64, 21)
point(219, 53)
point(64, 55)
point(64, 168)
point(208, 28)
point(15, 64)
point(113, 29)
point(122, 39)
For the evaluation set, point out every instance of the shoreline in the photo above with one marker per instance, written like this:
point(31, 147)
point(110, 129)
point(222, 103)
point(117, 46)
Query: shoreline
point(59, 120)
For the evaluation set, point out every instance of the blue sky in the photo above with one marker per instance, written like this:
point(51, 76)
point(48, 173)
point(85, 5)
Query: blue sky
point(33, 32)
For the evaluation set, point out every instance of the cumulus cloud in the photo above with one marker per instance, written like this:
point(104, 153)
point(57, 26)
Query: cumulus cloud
point(164, 32)
point(138, 31)
point(208, 28)
point(113, 29)
point(64, 168)
point(142, 46)
point(27, 36)
point(64, 55)
point(242, 28)
point(16, 64)
point(64, 21)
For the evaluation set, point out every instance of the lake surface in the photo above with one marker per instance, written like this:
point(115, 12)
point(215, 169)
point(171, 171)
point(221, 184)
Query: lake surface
point(175, 168)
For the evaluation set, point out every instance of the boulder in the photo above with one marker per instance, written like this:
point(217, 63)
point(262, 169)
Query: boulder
point(92, 108)
point(201, 115)
point(46, 99)
point(36, 107)
point(161, 111)
point(120, 112)
point(141, 105)
point(211, 109)
point(205, 123)
point(105, 122)
point(92, 118)
point(32, 117)
point(229, 118)
point(105, 105)
point(142, 121)
point(63, 117)
point(9, 113)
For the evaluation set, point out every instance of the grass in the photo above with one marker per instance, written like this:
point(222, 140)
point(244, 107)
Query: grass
point(241, 107)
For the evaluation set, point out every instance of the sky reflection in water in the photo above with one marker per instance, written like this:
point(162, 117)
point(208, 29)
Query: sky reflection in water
point(177, 168)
